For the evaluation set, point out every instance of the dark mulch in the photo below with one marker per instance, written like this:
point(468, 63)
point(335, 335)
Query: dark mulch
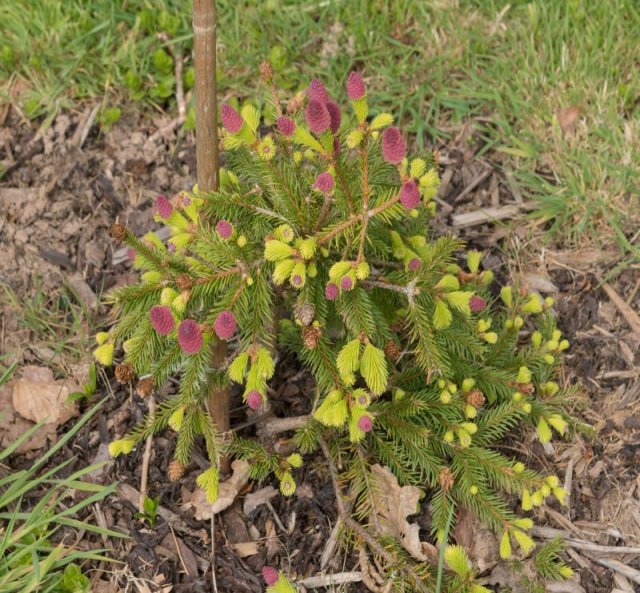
point(57, 201)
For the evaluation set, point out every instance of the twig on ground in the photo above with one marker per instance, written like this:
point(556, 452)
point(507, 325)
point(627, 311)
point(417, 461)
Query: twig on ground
point(485, 215)
point(626, 571)
point(328, 580)
point(84, 128)
point(580, 544)
point(330, 546)
point(278, 425)
point(214, 580)
point(475, 182)
point(175, 541)
point(146, 458)
point(625, 310)
point(182, 109)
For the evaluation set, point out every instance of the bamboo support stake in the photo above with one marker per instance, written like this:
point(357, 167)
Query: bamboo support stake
point(204, 36)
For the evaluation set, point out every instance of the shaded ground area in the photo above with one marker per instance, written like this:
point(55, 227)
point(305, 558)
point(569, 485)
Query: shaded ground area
point(68, 184)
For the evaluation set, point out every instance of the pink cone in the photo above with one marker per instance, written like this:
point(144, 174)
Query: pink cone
point(231, 119)
point(163, 207)
point(365, 423)
point(254, 400)
point(270, 575)
point(224, 229)
point(190, 336)
point(334, 113)
point(394, 148)
point(131, 254)
point(324, 183)
point(286, 126)
point(225, 325)
point(162, 319)
point(317, 91)
point(410, 195)
point(415, 264)
point(318, 117)
point(355, 86)
point(171, 247)
point(297, 280)
point(346, 283)
point(331, 291)
point(477, 304)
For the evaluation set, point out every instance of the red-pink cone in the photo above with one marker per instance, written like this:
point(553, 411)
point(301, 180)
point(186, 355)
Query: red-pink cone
point(190, 336)
point(162, 319)
point(365, 423)
point(131, 254)
point(324, 183)
point(355, 86)
point(317, 91)
point(346, 283)
point(231, 119)
point(163, 207)
point(286, 126)
point(410, 195)
point(224, 229)
point(225, 325)
point(331, 291)
point(415, 264)
point(334, 113)
point(393, 146)
point(477, 304)
point(317, 116)
point(254, 400)
point(270, 575)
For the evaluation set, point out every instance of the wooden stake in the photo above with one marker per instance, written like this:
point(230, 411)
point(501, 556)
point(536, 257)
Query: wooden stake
point(204, 36)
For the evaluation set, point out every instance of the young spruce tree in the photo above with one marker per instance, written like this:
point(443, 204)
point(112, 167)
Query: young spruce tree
point(316, 243)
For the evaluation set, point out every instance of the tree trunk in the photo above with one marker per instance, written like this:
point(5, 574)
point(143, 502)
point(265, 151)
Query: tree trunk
point(204, 35)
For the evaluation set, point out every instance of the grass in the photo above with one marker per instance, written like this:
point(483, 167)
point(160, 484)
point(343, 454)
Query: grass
point(435, 64)
point(60, 327)
point(35, 555)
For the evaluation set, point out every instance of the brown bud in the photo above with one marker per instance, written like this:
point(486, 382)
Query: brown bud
point(266, 71)
point(118, 231)
point(465, 277)
point(392, 350)
point(175, 471)
point(475, 398)
point(145, 386)
point(295, 103)
point(305, 313)
point(125, 373)
point(184, 281)
point(525, 387)
point(311, 336)
point(446, 479)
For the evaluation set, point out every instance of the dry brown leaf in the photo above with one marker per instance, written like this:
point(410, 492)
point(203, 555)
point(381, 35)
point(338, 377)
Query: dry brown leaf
point(254, 499)
point(582, 259)
point(245, 549)
point(539, 283)
point(38, 397)
point(393, 504)
point(481, 543)
point(567, 119)
point(227, 494)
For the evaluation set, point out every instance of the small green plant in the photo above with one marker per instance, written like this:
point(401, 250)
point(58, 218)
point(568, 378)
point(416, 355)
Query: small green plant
point(73, 581)
point(89, 388)
point(33, 554)
point(317, 244)
point(150, 510)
